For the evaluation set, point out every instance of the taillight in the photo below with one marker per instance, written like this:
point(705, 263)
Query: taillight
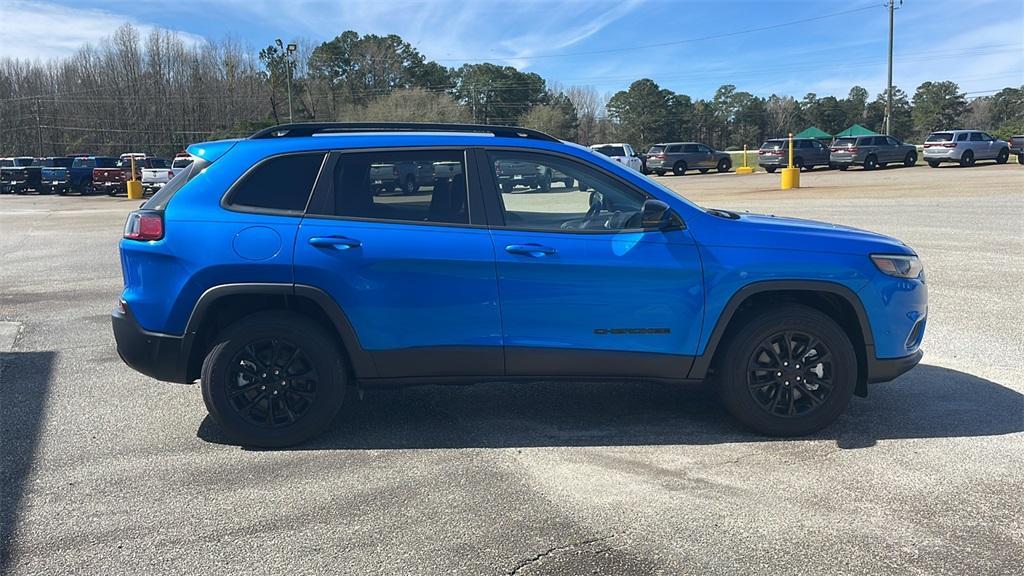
point(949, 145)
point(144, 225)
point(170, 174)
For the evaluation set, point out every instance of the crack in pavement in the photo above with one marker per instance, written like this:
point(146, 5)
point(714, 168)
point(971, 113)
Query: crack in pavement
point(538, 557)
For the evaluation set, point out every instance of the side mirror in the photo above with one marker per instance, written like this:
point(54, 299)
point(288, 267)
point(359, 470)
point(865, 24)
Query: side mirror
point(654, 214)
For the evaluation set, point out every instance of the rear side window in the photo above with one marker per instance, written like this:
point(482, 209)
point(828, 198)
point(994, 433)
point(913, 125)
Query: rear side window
point(962, 137)
point(399, 186)
point(673, 149)
point(279, 184)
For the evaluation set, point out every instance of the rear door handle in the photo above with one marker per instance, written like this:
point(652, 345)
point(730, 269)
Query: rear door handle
point(535, 250)
point(337, 242)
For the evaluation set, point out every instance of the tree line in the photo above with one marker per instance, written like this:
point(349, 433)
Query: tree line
point(159, 93)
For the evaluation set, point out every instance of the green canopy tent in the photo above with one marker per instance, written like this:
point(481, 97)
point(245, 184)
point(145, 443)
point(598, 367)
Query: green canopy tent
point(814, 132)
point(856, 130)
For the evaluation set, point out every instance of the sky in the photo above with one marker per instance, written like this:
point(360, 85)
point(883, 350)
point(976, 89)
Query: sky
point(692, 47)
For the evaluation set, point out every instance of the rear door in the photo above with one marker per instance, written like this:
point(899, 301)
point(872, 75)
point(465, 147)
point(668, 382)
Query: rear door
point(414, 273)
point(585, 290)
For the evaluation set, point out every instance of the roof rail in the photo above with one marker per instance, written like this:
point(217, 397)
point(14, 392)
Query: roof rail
point(310, 128)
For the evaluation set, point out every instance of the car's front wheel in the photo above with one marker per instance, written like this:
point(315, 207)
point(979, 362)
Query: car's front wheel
point(1003, 156)
point(910, 159)
point(789, 371)
point(273, 379)
point(724, 165)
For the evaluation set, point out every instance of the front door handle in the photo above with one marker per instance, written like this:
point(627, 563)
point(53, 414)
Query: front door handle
point(337, 242)
point(535, 250)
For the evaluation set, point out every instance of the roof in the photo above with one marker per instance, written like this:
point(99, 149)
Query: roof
point(813, 132)
point(856, 130)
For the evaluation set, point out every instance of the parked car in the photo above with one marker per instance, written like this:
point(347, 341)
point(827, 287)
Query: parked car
point(14, 174)
point(682, 156)
point(81, 172)
point(871, 152)
point(295, 282)
point(1017, 147)
point(112, 180)
point(160, 173)
point(807, 153)
point(511, 174)
point(964, 147)
point(54, 175)
point(622, 153)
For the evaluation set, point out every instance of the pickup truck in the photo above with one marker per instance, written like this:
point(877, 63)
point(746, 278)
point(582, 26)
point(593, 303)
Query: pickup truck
point(154, 178)
point(512, 173)
point(80, 174)
point(112, 180)
point(54, 175)
point(1017, 147)
point(405, 177)
point(13, 174)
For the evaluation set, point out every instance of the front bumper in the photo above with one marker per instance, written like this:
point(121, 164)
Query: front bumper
point(160, 356)
point(886, 369)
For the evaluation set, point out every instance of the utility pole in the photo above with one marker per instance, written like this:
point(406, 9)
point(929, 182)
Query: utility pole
point(39, 133)
point(888, 100)
point(288, 51)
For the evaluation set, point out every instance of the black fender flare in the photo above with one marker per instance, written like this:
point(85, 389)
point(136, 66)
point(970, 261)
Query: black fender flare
point(702, 363)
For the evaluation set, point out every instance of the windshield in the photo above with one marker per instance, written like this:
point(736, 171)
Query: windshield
point(940, 137)
point(611, 150)
point(6, 162)
point(846, 142)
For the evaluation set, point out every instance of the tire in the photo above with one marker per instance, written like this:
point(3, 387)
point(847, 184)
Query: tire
point(409, 186)
point(1003, 156)
point(270, 338)
point(871, 162)
point(769, 169)
point(910, 160)
point(679, 168)
point(1020, 158)
point(724, 165)
point(798, 163)
point(659, 172)
point(933, 164)
point(755, 396)
point(544, 183)
point(843, 167)
point(967, 159)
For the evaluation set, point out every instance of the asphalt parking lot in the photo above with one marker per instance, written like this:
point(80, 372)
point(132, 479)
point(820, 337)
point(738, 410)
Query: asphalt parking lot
point(106, 471)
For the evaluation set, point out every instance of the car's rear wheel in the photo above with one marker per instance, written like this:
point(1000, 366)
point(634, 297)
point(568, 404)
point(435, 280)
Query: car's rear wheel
point(724, 165)
point(1003, 156)
point(871, 162)
point(910, 159)
point(1020, 158)
point(967, 159)
point(679, 168)
point(273, 379)
point(789, 371)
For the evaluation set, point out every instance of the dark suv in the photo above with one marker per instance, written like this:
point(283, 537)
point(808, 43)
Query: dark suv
point(273, 271)
point(807, 153)
point(678, 157)
point(872, 152)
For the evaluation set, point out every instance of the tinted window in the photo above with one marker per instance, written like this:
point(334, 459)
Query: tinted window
point(703, 148)
point(553, 193)
point(673, 149)
point(892, 141)
point(280, 183)
point(427, 186)
point(986, 137)
point(106, 162)
point(962, 137)
point(181, 162)
point(845, 142)
point(84, 163)
point(690, 148)
point(939, 137)
point(611, 150)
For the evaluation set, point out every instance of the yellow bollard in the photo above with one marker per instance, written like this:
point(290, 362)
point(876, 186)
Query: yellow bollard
point(790, 175)
point(744, 169)
point(133, 186)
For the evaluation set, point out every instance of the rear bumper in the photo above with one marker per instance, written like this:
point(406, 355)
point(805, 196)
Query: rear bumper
point(158, 356)
point(886, 369)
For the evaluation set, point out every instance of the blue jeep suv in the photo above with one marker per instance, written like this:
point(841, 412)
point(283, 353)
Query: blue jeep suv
point(280, 270)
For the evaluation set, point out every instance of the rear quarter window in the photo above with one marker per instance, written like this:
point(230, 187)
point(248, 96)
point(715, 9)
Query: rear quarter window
point(278, 184)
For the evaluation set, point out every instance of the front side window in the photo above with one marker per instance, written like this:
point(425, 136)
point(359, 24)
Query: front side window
point(281, 183)
point(408, 186)
point(976, 137)
point(892, 141)
point(541, 192)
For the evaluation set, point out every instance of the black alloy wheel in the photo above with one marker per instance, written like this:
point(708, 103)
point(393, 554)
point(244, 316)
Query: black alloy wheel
point(272, 383)
point(790, 374)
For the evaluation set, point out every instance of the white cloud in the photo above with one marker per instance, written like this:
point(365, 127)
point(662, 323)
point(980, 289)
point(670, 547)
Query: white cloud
point(40, 30)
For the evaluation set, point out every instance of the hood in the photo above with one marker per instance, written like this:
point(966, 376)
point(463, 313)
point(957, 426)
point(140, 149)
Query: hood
point(767, 231)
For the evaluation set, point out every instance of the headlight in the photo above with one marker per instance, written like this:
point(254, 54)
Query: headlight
point(898, 265)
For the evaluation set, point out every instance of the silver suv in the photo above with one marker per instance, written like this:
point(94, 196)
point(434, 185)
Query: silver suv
point(871, 152)
point(807, 153)
point(965, 147)
point(682, 156)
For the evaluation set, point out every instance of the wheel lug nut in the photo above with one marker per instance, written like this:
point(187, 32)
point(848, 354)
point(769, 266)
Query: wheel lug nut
point(263, 387)
point(797, 366)
point(787, 382)
point(785, 363)
point(797, 378)
point(275, 392)
point(778, 373)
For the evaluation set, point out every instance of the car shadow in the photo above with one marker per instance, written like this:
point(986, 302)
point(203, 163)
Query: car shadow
point(928, 402)
point(24, 385)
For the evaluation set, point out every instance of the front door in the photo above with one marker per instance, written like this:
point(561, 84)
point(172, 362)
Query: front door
point(585, 290)
point(413, 275)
